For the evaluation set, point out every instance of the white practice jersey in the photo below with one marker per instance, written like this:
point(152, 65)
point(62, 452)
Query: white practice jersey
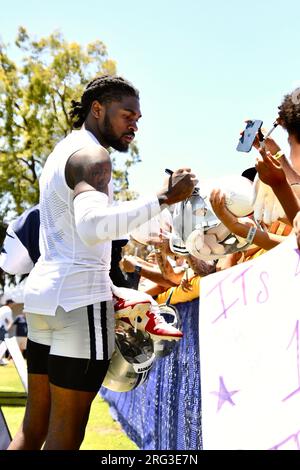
point(68, 273)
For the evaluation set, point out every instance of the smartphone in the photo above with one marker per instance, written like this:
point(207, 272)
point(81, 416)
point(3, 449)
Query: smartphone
point(248, 135)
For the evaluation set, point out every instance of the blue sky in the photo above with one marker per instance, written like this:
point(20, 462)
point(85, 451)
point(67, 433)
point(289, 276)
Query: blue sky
point(201, 68)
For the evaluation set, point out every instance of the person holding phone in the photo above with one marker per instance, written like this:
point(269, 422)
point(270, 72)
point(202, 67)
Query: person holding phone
point(282, 177)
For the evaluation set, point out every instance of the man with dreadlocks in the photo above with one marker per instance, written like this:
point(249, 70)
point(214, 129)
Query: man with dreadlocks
point(68, 297)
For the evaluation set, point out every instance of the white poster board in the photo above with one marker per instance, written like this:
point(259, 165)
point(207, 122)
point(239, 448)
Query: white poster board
point(250, 353)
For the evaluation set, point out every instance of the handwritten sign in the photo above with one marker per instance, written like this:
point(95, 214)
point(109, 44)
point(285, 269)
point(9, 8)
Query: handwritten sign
point(250, 353)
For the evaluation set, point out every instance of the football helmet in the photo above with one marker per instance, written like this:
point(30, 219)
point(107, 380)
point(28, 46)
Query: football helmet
point(190, 215)
point(131, 361)
point(201, 233)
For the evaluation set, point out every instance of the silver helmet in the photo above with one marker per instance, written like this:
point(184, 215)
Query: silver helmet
point(188, 216)
point(131, 361)
point(203, 234)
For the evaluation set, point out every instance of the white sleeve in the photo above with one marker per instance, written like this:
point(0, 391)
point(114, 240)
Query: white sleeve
point(97, 221)
point(14, 258)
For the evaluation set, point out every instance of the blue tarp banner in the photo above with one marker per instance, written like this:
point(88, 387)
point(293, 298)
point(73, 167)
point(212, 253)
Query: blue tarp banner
point(165, 412)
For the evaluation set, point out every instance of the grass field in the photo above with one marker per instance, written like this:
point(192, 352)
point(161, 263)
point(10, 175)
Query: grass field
point(102, 432)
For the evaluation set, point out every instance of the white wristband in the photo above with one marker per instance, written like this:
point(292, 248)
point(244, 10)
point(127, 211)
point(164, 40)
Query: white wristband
point(251, 234)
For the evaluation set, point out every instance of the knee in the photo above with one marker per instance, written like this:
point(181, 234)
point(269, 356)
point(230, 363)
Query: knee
point(28, 438)
point(35, 431)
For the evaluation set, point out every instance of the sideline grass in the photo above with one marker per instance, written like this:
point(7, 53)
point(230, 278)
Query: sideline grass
point(102, 432)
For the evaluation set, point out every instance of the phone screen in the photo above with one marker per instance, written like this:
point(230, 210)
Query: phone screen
point(248, 136)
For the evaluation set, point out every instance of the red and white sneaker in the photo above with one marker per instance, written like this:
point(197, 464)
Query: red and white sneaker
point(143, 315)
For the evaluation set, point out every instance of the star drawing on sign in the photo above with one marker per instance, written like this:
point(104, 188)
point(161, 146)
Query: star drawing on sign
point(223, 394)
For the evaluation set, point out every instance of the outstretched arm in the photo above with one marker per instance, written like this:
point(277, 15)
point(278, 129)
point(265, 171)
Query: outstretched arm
point(261, 238)
point(129, 263)
point(270, 171)
point(271, 146)
point(88, 172)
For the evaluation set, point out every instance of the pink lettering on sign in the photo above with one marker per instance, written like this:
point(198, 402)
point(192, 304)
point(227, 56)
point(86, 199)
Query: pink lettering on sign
point(296, 336)
point(291, 439)
point(243, 284)
point(230, 290)
point(220, 291)
point(263, 294)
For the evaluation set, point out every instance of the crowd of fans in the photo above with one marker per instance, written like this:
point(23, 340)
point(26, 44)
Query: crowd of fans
point(163, 270)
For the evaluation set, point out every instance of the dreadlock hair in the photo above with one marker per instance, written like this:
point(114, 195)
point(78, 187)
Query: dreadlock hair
point(289, 113)
point(103, 89)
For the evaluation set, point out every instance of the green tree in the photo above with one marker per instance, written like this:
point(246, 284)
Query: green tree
point(35, 93)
